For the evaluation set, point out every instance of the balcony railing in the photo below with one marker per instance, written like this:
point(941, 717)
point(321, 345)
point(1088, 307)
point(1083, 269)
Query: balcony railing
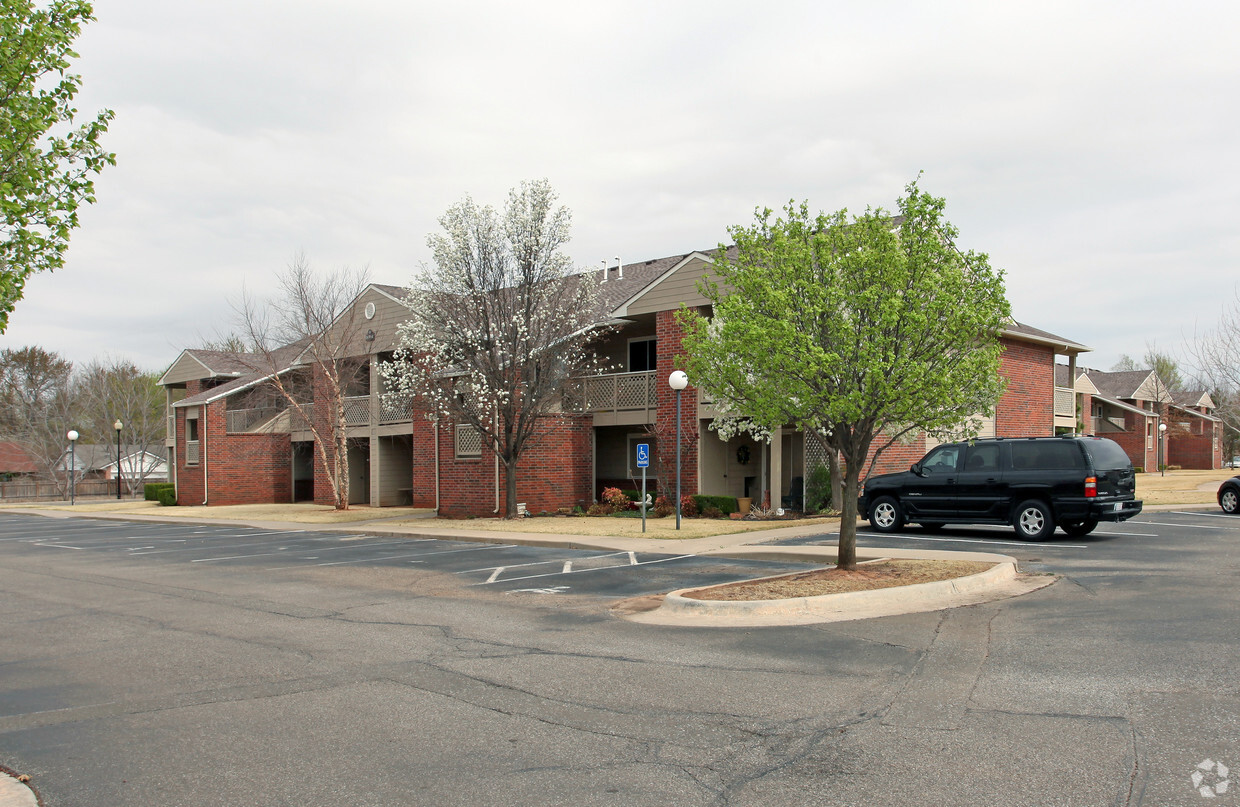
point(1065, 402)
point(242, 421)
point(395, 409)
point(357, 410)
point(619, 392)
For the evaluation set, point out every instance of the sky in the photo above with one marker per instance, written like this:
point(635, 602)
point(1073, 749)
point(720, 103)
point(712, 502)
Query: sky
point(1089, 148)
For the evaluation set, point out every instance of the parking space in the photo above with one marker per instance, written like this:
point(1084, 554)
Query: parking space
point(502, 567)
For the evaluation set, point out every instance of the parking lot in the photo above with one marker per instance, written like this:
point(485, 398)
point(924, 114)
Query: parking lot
point(502, 567)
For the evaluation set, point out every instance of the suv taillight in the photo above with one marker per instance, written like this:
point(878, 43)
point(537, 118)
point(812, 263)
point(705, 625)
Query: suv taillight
point(1091, 487)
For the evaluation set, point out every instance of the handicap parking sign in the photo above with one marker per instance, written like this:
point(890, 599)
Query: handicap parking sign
point(643, 455)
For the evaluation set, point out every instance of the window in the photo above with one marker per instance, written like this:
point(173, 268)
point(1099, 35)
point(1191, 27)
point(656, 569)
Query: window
point(191, 436)
point(984, 457)
point(643, 355)
point(468, 442)
point(943, 459)
point(1045, 455)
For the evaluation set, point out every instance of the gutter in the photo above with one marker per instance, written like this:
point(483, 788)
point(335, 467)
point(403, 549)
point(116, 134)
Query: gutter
point(436, 466)
point(205, 454)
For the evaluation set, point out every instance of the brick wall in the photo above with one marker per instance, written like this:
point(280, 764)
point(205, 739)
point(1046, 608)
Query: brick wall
point(1133, 441)
point(1027, 408)
point(554, 471)
point(1192, 451)
point(238, 468)
point(671, 338)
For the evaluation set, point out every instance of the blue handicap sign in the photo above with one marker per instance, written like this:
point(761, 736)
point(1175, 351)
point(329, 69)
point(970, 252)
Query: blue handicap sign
point(643, 455)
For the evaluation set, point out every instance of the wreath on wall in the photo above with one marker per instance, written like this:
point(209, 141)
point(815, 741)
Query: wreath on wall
point(742, 455)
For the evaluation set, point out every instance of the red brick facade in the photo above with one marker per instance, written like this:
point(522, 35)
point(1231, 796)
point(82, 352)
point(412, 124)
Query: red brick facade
point(1027, 408)
point(234, 468)
point(670, 335)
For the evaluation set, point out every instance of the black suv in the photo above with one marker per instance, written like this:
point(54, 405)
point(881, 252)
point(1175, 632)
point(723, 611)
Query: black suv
point(1032, 483)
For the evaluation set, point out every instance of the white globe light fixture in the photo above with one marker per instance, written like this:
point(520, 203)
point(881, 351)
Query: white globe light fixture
point(73, 437)
point(678, 381)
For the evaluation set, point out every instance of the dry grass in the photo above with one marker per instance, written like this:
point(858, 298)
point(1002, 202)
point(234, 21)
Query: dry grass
point(867, 577)
point(603, 526)
point(1181, 487)
point(297, 513)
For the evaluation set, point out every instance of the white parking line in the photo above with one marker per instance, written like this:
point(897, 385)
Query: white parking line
point(592, 569)
point(1207, 515)
point(568, 567)
point(1173, 524)
point(57, 546)
point(262, 554)
point(1002, 543)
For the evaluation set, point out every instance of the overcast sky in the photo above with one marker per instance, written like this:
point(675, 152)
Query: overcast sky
point(1090, 149)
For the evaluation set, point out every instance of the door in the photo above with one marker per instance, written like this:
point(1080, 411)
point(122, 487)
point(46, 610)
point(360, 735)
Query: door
point(981, 492)
point(932, 491)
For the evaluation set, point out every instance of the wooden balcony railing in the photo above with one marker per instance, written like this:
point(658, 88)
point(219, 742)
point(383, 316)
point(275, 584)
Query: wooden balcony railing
point(618, 392)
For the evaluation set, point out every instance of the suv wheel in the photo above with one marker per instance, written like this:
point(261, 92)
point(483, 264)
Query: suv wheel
point(1081, 528)
point(1033, 521)
point(886, 516)
point(1229, 500)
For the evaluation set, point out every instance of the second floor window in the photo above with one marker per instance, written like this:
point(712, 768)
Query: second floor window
point(642, 355)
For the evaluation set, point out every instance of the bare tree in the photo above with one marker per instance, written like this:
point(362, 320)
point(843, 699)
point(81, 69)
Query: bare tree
point(112, 390)
point(307, 342)
point(1215, 355)
point(37, 407)
point(499, 324)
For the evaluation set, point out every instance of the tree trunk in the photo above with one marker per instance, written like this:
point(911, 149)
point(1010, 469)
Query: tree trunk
point(837, 485)
point(510, 489)
point(847, 553)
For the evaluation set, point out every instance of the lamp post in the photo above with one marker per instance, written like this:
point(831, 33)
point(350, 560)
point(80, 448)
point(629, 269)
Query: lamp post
point(73, 436)
point(678, 381)
point(118, 426)
point(1162, 449)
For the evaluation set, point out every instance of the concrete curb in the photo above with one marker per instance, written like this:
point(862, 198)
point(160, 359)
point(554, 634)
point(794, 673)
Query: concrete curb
point(999, 582)
point(14, 793)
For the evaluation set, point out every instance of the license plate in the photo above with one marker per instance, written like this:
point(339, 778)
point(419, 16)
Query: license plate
point(1119, 506)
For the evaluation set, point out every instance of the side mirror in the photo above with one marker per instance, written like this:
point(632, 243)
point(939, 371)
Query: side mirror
point(916, 468)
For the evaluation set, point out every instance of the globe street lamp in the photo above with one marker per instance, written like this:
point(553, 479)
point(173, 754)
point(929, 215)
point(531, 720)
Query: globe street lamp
point(678, 381)
point(1162, 449)
point(73, 436)
point(118, 426)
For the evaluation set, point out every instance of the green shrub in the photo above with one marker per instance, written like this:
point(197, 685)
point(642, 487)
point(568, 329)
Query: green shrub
point(634, 495)
point(151, 491)
point(1138, 469)
point(818, 490)
point(168, 496)
point(724, 504)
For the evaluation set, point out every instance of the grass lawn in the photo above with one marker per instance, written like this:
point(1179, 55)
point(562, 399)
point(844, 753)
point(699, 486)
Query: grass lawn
point(1181, 487)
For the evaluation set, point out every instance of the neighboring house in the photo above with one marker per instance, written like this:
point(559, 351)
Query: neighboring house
point(229, 443)
point(1129, 406)
point(15, 463)
point(98, 461)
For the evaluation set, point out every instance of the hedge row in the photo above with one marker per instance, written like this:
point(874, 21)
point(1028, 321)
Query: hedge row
point(151, 491)
point(724, 504)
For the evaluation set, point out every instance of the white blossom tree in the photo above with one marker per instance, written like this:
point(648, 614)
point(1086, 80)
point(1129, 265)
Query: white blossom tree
point(498, 324)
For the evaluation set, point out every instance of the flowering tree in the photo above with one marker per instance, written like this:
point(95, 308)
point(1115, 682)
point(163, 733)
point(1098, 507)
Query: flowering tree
point(498, 324)
point(864, 331)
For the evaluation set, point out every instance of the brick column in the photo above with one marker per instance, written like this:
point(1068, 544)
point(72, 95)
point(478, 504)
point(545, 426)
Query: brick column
point(671, 336)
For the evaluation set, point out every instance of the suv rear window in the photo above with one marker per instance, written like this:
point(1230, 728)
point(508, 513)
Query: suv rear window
point(1043, 455)
point(1107, 455)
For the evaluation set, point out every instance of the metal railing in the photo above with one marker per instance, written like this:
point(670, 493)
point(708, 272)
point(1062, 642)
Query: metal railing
point(241, 421)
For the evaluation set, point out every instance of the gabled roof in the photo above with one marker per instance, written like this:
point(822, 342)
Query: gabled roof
point(1190, 398)
point(1028, 333)
point(1127, 406)
point(15, 460)
point(1133, 385)
point(1194, 413)
point(282, 359)
point(195, 364)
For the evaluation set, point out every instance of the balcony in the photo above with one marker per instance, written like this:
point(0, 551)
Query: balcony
point(246, 421)
point(616, 399)
point(1065, 402)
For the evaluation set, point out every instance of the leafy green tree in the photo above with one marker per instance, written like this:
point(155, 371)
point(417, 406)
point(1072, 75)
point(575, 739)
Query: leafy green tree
point(863, 330)
point(45, 161)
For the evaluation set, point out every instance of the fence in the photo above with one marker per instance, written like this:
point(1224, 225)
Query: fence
point(35, 490)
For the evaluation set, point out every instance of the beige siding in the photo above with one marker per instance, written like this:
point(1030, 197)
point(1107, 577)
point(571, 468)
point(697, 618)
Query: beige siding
point(185, 368)
point(678, 287)
point(388, 314)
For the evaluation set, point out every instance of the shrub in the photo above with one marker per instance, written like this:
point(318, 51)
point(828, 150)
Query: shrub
point(724, 504)
point(600, 509)
point(818, 490)
point(168, 496)
point(712, 512)
point(1138, 469)
point(688, 506)
point(663, 507)
point(634, 495)
point(151, 491)
point(616, 498)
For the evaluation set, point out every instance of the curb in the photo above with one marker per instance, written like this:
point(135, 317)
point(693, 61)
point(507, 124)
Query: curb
point(999, 582)
point(14, 793)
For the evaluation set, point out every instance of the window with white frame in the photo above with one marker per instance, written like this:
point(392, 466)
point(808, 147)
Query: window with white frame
point(468, 442)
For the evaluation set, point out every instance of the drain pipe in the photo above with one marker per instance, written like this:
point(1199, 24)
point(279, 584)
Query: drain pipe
point(436, 466)
point(206, 408)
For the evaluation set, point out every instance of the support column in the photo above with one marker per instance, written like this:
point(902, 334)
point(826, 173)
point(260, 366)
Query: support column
point(777, 467)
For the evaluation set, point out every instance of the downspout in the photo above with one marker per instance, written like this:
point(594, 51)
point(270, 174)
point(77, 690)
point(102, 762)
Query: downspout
point(436, 466)
point(206, 408)
point(495, 425)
